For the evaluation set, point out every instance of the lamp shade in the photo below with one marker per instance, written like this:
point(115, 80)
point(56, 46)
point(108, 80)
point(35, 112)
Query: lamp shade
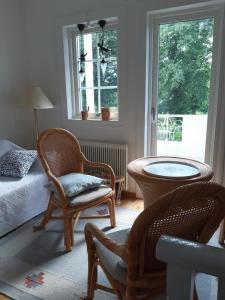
point(36, 99)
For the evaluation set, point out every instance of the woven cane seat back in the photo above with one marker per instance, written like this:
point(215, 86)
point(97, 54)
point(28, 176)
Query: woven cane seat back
point(60, 151)
point(186, 222)
point(191, 212)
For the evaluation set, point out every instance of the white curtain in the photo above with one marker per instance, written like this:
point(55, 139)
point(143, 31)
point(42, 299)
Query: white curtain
point(219, 149)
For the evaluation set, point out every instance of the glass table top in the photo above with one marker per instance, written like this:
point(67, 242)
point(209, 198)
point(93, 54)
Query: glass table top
point(170, 169)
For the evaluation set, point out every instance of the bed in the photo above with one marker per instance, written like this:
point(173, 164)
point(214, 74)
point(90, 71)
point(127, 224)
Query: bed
point(21, 199)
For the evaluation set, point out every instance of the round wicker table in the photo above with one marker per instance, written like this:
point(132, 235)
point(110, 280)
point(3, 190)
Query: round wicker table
point(157, 175)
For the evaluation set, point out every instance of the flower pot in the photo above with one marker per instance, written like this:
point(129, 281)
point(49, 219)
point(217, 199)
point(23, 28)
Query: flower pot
point(84, 115)
point(105, 113)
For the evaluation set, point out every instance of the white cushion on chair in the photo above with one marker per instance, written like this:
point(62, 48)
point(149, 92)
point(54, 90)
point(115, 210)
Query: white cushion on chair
point(90, 195)
point(111, 261)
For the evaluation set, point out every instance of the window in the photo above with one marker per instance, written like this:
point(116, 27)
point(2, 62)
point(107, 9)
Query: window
point(96, 90)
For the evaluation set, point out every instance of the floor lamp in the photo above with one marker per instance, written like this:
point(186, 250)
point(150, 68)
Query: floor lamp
point(36, 99)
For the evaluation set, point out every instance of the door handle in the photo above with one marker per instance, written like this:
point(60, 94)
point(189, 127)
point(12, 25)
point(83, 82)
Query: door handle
point(153, 114)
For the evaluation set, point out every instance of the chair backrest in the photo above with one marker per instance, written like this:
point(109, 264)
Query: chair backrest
point(60, 152)
point(192, 212)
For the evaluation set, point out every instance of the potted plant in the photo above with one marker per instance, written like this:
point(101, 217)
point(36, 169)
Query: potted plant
point(84, 114)
point(105, 113)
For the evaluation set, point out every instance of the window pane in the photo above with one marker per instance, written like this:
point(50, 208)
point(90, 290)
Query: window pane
point(110, 41)
point(80, 45)
point(110, 76)
point(83, 100)
point(109, 97)
point(89, 100)
point(94, 45)
point(97, 106)
point(84, 43)
point(91, 77)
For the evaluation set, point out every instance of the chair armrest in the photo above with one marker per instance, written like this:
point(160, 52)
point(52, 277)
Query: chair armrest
point(58, 186)
point(92, 231)
point(112, 177)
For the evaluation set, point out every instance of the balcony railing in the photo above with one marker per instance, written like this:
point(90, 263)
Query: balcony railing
point(169, 127)
point(182, 135)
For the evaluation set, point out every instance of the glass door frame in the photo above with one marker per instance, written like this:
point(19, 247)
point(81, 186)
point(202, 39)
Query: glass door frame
point(155, 19)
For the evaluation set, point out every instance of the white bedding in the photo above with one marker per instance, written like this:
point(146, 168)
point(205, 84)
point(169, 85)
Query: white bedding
point(22, 199)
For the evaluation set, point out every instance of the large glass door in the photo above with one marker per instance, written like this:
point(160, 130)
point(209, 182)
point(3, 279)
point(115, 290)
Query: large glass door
point(182, 86)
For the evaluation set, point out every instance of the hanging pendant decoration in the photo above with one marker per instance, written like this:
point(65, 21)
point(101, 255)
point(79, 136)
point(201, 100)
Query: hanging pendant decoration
point(102, 48)
point(82, 56)
point(81, 74)
point(103, 64)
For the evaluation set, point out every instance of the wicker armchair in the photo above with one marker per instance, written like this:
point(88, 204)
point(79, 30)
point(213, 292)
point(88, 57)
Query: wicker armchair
point(60, 154)
point(192, 212)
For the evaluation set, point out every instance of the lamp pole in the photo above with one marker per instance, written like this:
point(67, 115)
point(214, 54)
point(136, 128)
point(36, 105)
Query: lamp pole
point(36, 123)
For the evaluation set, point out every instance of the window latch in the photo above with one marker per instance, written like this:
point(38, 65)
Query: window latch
point(153, 114)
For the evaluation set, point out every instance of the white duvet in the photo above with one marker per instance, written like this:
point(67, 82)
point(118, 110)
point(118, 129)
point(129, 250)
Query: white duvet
point(22, 199)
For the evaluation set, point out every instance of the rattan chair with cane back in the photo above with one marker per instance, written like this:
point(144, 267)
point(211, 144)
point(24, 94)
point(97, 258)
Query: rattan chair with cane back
point(127, 257)
point(60, 153)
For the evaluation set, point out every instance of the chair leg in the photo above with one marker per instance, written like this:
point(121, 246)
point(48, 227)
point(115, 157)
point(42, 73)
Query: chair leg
point(75, 219)
point(119, 295)
point(131, 293)
point(67, 232)
point(92, 275)
point(47, 215)
point(222, 232)
point(111, 206)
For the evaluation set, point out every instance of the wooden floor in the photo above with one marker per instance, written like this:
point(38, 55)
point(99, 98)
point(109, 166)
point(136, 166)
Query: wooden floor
point(134, 204)
point(2, 297)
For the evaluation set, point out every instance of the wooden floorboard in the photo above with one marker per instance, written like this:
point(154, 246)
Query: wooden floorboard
point(132, 203)
point(2, 297)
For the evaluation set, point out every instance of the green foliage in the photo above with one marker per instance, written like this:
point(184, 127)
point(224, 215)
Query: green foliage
point(185, 54)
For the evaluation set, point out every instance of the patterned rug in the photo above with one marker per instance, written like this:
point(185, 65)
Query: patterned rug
point(34, 265)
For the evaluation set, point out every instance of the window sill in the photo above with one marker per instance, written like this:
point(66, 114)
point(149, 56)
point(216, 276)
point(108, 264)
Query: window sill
point(98, 118)
point(96, 121)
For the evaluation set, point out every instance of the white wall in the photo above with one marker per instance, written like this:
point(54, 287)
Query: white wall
point(13, 72)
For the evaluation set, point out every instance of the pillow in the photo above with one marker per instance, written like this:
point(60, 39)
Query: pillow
point(16, 163)
point(76, 183)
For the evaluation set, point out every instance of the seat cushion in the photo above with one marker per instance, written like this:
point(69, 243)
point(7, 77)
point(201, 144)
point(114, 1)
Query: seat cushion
point(90, 195)
point(112, 262)
point(76, 183)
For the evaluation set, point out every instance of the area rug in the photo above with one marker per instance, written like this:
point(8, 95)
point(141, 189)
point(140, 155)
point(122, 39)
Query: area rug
point(35, 266)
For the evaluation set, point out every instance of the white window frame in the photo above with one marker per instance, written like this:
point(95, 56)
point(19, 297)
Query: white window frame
point(74, 105)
